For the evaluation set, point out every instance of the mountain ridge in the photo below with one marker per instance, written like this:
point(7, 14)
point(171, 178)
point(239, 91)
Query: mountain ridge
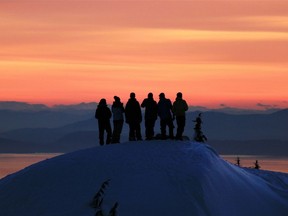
point(51, 130)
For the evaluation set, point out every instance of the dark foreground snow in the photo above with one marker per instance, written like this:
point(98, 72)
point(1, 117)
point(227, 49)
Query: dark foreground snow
point(155, 178)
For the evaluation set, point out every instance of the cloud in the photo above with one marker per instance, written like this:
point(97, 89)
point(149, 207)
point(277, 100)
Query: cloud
point(266, 106)
point(264, 21)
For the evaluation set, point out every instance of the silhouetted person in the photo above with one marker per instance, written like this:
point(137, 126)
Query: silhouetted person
point(179, 108)
point(103, 114)
point(165, 115)
point(118, 119)
point(151, 110)
point(133, 116)
point(199, 136)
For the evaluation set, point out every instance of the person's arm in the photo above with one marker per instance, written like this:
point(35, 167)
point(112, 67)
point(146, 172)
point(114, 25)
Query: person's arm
point(186, 106)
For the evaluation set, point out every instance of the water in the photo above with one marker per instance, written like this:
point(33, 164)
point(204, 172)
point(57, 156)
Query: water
point(10, 163)
point(277, 164)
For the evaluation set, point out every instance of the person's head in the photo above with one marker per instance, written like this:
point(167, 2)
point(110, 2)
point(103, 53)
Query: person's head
point(132, 95)
point(103, 102)
point(161, 95)
point(116, 98)
point(179, 95)
point(150, 95)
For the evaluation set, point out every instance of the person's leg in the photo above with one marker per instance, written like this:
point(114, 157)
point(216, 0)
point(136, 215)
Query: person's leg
point(115, 128)
point(152, 127)
point(109, 133)
point(149, 124)
point(180, 126)
point(101, 133)
point(119, 130)
point(147, 128)
point(132, 131)
point(171, 128)
point(138, 131)
point(163, 124)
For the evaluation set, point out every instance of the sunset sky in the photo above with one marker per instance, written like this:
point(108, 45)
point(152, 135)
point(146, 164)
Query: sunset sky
point(217, 53)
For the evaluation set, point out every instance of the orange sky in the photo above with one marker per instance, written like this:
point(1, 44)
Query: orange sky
point(215, 52)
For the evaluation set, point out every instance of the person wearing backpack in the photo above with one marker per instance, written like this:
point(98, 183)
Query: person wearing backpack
point(118, 119)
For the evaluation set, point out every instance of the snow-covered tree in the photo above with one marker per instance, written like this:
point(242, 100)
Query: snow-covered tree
point(199, 136)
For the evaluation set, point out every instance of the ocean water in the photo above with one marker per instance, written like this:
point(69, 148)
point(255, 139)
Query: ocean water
point(10, 163)
point(277, 164)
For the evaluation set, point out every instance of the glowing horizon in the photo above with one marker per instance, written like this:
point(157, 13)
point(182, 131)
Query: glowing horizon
point(215, 52)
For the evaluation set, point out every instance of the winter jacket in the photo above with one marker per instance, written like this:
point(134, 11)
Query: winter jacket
point(133, 111)
point(151, 108)
point(179, 107)
point(103, 113)
point(118, 110)
point(164, 108)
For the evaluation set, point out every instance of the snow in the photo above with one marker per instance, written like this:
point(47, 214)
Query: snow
point(147, 178)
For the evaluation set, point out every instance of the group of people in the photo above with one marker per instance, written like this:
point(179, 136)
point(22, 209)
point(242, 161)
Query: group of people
point(164, 109)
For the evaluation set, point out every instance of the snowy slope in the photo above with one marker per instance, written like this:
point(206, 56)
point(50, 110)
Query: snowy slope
point(148, 178)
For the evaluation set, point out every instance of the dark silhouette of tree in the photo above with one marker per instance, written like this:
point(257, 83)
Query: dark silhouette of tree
point(238, 162)
point(113, 211)
point(98, 201)
point(257, 166)
point(199, 136)
point(98, 198)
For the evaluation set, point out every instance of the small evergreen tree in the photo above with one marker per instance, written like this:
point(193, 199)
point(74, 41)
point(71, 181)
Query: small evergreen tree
point(238, 162)
point(99, 213)
point(98, 201)
point(113, 211)
point(199, 136)
point(257, 166)
point(98, 198)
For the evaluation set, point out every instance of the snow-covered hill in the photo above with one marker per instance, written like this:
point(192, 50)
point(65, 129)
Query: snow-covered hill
point(147, 178)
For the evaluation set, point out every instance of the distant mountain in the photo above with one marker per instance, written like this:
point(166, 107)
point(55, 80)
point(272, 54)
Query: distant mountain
point(49, 141)
point(80, 106)
point(15, 146)
point(34, 135)
point(76, 140)
point(11, 120)
point(87, 124)
point(237, 111)
point(232, 110)
point(21, 106)
point(18, 115)
point(49, 135)
point(65, 131)
point(221, 126)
